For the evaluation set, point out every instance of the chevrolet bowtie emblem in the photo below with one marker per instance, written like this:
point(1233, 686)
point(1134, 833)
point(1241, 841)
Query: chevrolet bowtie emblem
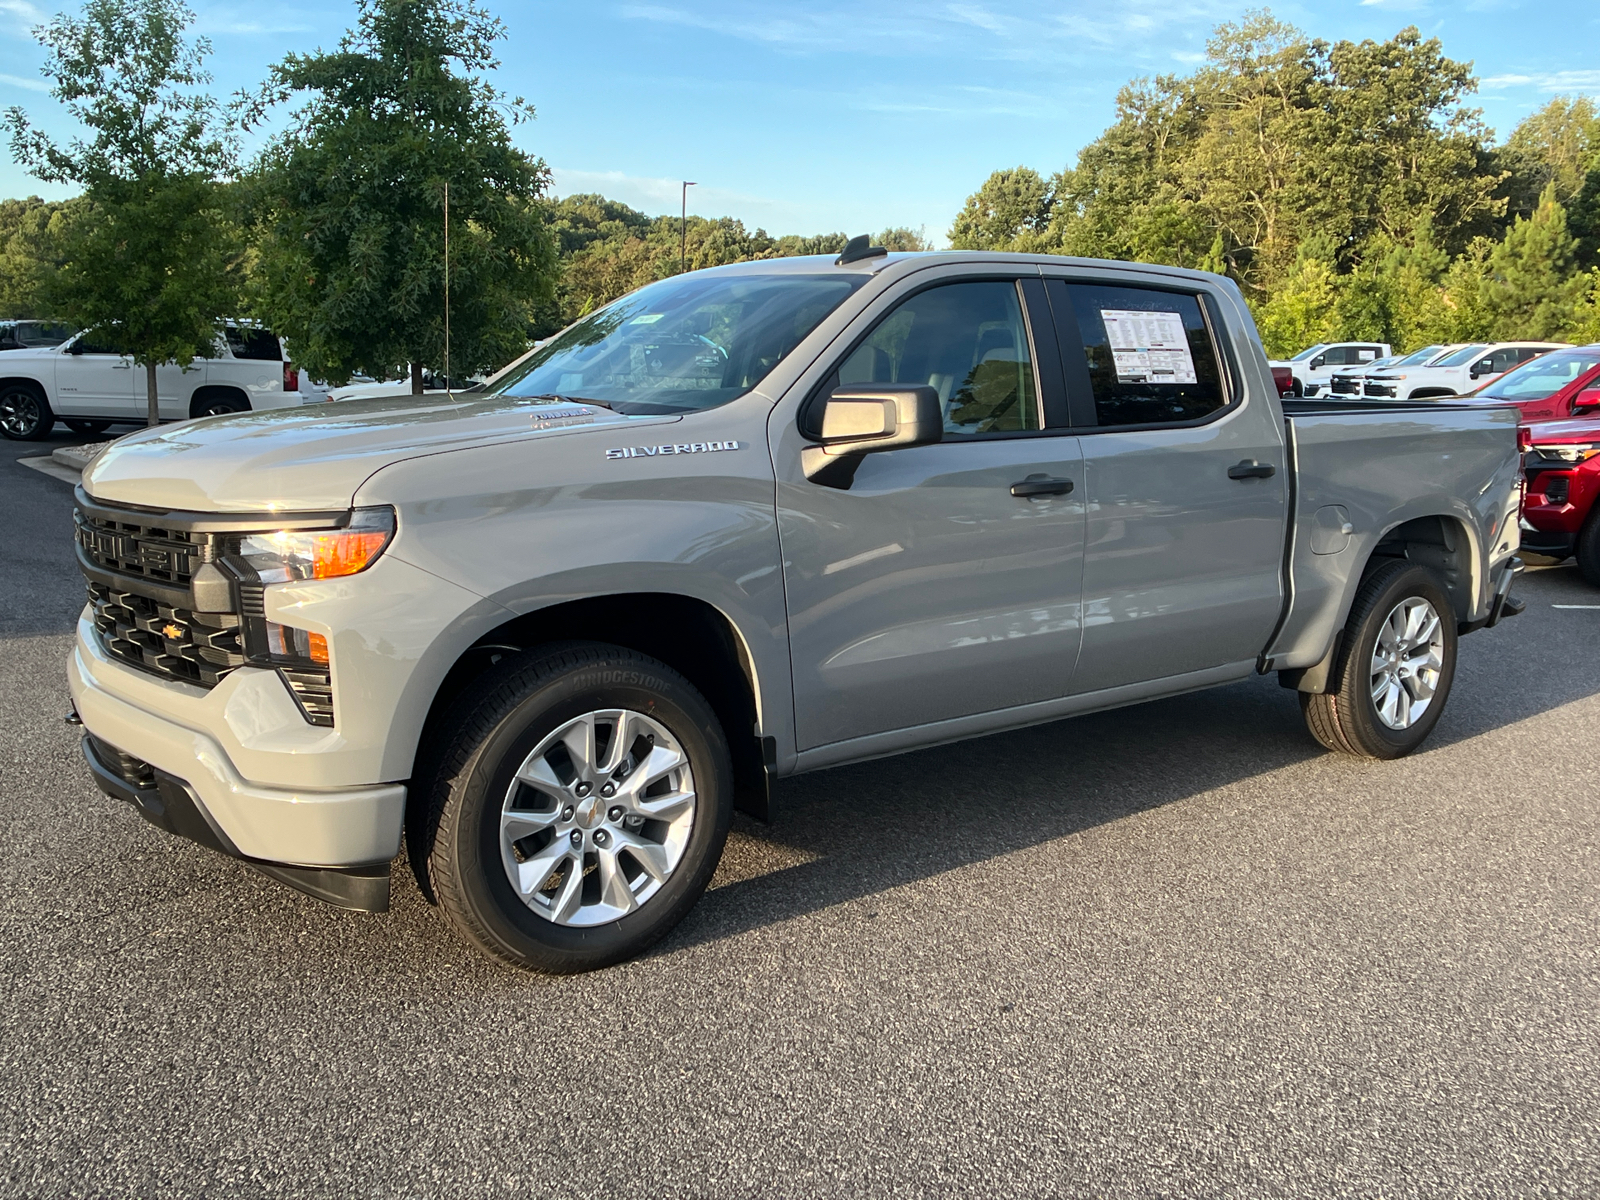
point(173, 633)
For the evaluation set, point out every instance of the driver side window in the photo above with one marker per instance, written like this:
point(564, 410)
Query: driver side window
point(968, 342)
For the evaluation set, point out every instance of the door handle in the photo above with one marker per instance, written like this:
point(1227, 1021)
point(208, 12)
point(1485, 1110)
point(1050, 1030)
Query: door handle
point(1041, 485)
point(1251, 469)
point(122, 366)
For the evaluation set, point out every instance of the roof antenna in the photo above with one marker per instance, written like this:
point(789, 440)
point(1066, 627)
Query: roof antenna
point(858, 248)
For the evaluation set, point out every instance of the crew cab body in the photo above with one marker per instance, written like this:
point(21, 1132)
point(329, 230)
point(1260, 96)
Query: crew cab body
point(1468, 369)
point(83, 381)
point(1560, 514)
point(1103, 501)
point(1314, 366)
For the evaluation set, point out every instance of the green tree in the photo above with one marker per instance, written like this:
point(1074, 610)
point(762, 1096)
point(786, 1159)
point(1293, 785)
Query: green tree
point(150, 257)
point(1304, 310)
point(30, 239)
point(1554, 146)
point(1010, 206)
point(350, 201)
point(1530, 289)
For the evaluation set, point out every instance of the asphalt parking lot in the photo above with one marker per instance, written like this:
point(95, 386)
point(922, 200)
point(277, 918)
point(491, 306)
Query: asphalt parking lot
point(1174, 950)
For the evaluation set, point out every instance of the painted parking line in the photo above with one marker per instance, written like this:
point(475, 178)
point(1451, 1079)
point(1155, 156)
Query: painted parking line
point(1595, 606)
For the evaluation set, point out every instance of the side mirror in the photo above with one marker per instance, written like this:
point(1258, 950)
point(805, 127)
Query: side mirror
point(1319, 362)
point(1586, 399)
point(862, 419)
point(1482, 367)
point(75, 348)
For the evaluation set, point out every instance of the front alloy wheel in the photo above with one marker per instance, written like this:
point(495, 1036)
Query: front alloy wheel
point(598, 818)
point(573, 807)
point(24, 414)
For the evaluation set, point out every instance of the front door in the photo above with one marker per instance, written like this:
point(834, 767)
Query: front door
point(927, 590)
point(1183, 564)
point(96, 382)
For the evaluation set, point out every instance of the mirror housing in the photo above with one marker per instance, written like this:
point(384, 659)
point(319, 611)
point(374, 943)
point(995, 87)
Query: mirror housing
point(1482, 367)
point(75, 348)
point(1318, 362)
point(1588, 398)
point(861, 419)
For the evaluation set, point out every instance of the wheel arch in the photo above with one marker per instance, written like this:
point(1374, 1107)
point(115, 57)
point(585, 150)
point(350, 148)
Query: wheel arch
point(688, 634)
point(217, 391)
point(1443, 543)
point(27, 381)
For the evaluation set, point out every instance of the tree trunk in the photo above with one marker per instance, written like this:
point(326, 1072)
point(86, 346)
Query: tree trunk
point(416, 379)
point(153, 412)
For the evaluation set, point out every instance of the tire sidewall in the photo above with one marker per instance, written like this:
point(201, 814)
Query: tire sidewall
point(473, 816)
point(1360, 713)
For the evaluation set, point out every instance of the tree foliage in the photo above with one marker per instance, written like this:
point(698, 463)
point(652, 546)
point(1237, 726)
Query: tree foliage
point(1346, 186)
point(349, 202)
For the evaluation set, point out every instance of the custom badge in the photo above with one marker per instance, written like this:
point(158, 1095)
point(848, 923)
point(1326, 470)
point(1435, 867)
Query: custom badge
point(678, 448)
point(563, 416)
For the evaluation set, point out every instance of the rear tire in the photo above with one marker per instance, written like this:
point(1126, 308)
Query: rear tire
point(576, 809)
point(86, 428)
point(1587, 549)
point(1395, 667)
point(218, 404)
point(25, 414)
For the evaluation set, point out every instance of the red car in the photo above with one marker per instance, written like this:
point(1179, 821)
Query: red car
point(1559, 513)
point(1563, 383)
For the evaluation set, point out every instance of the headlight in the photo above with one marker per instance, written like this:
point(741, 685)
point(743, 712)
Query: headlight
point(320, 553)
point(1566, 454)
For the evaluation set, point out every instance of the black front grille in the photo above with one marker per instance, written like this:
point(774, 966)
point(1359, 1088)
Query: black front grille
point(1345, 387)
point(154, 552)
point(140, 575)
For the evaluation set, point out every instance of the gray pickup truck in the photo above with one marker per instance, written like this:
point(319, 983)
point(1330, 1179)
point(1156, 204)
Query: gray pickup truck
point(744, 523)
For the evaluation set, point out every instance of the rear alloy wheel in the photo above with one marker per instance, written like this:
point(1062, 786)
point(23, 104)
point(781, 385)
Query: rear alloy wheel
point(576, 809)
point(25, 414)
point(1397, 663)
point(216, 406)
point(86, 428)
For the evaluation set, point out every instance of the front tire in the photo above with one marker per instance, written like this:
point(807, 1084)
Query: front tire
point(1587, 549)
point(86, 428)
point(1396, 664)
point(25, 414)
point(576, 810)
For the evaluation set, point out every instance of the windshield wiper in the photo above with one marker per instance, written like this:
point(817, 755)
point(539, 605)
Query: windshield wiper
point(569, 399)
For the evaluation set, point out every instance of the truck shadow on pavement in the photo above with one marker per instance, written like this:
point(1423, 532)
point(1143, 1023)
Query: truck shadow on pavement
point(850, 832)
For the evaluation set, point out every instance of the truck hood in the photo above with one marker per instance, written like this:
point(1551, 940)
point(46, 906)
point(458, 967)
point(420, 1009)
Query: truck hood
point(313, 458)
point(1572, 432)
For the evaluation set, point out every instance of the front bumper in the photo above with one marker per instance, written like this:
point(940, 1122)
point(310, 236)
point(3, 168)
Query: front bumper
point(293, 826)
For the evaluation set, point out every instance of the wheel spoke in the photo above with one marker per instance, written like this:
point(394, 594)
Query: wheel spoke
point(538, 773)
point(579, 738)
point(664, 808)
point(565, 906)
point(622, 734)
point(614, 887)
point(649, 855)
point(518, 823)
point(659, 763)
point(533, 874)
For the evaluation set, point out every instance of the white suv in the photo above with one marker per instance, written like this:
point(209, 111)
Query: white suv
point(92, 387)
point(1315, 365)
point(1469, 368)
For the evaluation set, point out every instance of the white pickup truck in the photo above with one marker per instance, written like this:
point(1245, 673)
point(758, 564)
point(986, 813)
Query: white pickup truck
point(92, 387)
point(1314, 366)
point(1468, 369)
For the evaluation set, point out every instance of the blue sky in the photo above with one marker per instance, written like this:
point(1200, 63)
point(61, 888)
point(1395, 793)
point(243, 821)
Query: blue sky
point(809, 118)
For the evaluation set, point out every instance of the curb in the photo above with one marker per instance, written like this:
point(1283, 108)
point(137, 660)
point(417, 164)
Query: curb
point(78, 458)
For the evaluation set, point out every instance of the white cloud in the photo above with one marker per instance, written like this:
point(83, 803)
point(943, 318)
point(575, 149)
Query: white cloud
point(33, 85)
point(1551, 81)
point(653, 195)
point(26, 17)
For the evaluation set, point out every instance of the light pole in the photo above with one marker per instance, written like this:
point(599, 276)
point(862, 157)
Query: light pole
point(683, 229)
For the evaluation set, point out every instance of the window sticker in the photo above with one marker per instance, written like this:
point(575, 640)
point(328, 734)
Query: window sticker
point(1366, 355)
point(1148, 347)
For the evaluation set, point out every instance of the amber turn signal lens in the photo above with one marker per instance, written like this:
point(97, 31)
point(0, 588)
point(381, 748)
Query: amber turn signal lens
point(319, 648)
point(345, 552)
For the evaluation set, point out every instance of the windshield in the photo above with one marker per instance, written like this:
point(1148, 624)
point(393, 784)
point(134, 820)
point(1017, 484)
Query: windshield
point(1417, 357)
point(1465, 354)
point(1543, 376)
point(1305, 354)
point(681, 345)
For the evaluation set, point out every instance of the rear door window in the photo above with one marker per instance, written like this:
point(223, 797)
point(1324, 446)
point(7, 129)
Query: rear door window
point(1145, 356)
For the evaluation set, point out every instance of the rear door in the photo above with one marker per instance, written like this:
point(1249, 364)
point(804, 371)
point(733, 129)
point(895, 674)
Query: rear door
point(1187, 485)
point(929, 590)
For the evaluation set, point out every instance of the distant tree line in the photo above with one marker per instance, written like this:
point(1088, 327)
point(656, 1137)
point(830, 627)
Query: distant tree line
point(1343, 185)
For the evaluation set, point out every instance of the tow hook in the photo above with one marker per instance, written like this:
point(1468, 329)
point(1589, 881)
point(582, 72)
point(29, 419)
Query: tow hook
point(72, 718)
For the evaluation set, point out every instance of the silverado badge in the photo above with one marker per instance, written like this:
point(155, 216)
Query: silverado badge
point(679, 448)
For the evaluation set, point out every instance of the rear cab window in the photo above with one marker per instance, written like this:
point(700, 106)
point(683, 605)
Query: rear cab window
point(256, 345)
point(1137, 356)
